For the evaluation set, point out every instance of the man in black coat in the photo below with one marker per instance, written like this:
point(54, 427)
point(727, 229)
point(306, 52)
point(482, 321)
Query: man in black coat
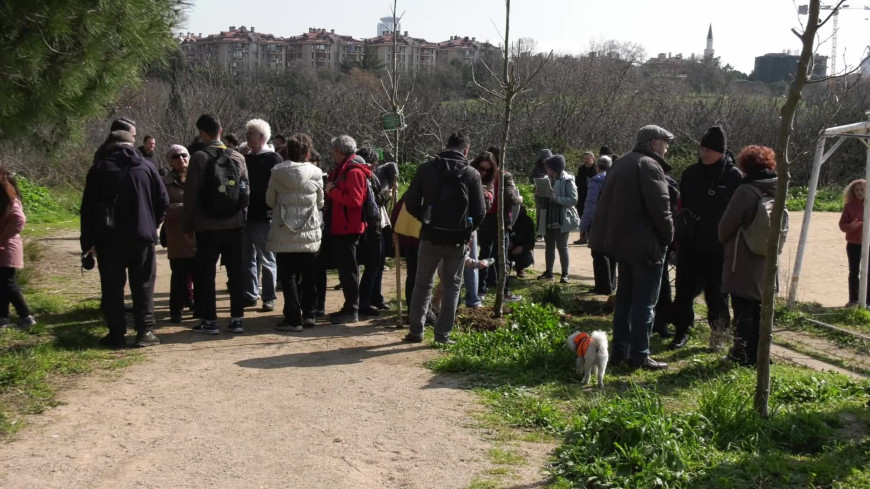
point(123, 204)
point(705, 190)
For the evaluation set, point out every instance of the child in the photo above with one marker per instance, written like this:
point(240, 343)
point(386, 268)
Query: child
point(12, 221)
point(851, 223)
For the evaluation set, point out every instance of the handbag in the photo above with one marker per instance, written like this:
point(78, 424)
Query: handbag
point(406, 224)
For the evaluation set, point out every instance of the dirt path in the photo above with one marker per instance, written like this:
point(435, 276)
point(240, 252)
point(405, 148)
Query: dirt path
point(330, 407)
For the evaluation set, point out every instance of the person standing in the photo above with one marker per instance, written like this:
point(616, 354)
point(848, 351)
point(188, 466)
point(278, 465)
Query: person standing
point(181, 247)
point(255, 256)
point(743, 273)
point(447, 197)
point(560, 217)
point(12, 221)
point(585, 172)
point(705, 190)
point(633, 223)
point(295, 193)
point(123, 204)
point(540, 170)
point(346, 189)
point(215, 200)
point(603, 265)
point(852, 223)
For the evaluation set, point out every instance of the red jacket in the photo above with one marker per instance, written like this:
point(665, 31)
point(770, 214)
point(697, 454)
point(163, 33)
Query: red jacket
point(851, 211)
point(348, 197)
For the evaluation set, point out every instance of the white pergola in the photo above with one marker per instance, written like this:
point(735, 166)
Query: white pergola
point(861, 132)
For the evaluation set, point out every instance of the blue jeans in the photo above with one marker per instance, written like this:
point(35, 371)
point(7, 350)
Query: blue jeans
point(254, 256)
point(471, 275)
point(633, 312)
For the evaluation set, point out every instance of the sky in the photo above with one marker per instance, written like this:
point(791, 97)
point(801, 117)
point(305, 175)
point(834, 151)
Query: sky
point(742, 29)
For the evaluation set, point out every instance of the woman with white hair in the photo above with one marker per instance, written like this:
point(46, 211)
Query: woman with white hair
point(180, 246)
point(295, 193)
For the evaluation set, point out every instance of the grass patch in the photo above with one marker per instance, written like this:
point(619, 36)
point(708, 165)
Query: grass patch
point(691, 426)
point(33, 365)
point(828, 199)
point(48, 210)
point(821, 356)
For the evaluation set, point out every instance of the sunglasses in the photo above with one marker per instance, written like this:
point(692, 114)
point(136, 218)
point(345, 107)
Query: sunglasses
point(179, 155)
point(484, 169)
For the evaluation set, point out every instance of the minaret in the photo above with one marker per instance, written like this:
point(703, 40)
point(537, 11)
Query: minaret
point(708, 53)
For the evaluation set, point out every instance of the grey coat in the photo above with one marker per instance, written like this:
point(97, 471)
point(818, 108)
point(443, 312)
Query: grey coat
point(743, 270)
point(633, 220)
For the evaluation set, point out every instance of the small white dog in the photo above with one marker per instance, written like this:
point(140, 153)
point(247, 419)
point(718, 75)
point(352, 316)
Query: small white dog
point(591, 351)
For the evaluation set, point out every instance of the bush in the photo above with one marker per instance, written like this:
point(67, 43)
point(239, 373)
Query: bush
point(828, 199)
point(42, 205)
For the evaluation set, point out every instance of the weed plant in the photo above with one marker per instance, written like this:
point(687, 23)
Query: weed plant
point(828, 199)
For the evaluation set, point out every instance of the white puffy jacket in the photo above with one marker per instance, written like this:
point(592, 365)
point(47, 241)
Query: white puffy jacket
point(295, 194)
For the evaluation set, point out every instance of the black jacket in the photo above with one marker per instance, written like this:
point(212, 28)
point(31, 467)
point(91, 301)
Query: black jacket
point(705, 190)
point(259, 172)
point(524, 231)
point(584, 173)
point(122, 173)
point(422, 190)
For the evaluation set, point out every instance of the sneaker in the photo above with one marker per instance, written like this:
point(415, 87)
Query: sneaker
point(851, 304)
point(285, 327)
point(110, 341)
point(564, 279)
point(250, 303)
point(445, 341)
point(308, 322)
point(581, 242)
point(412, 338)
point(268, 306)
point(521, 274)
point(4, 322)
point(546, 276)
point(321, 311)
point(26, 322)
point(369, 312)
point(512, 298)
point(382, 306)
point(175, 318)
point(146, 338)
point(235, 326)
point(343, 317)
point(207, 327)
point(337, 287)
point(678, 342)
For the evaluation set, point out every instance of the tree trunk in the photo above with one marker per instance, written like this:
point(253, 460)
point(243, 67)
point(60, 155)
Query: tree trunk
point(771, 264)
point(502, 164)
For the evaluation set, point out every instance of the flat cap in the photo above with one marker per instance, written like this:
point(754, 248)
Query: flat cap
point(650, 132)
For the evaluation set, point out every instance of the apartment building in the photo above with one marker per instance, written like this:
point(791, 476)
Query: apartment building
point(237, 50)
point(244, 49)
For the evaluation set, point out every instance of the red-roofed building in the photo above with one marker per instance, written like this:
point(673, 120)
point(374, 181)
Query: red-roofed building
point(465, 49)
point(319, 49)
point(236, 50)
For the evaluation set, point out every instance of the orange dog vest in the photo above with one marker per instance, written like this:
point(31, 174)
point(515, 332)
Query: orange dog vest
point(582, 341)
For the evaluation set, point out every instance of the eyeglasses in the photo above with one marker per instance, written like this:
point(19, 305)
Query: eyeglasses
point(179, 155)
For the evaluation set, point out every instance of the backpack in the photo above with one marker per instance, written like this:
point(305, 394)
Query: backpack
point(224, 192)
point(371, 211)
point(755, 235)
point(446, 218)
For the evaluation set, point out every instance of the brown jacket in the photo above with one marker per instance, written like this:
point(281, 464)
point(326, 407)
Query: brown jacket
point(633, 220)
point(194, 216)
point(177, 243)
point(743, 270)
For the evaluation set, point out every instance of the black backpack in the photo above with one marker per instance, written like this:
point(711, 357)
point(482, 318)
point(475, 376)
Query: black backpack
point(446, 219)
point(371, 212)
point(224, 192)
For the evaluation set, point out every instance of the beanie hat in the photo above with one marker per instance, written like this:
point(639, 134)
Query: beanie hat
point(604, 162)
point(544, 154)
point(556, 163)
point(121, 137)
point(715, 139)
point(605, 151)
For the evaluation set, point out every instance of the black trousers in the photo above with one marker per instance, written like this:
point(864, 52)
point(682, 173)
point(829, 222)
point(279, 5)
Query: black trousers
point(372, 257)
point(487, 239)
point(747, 323)
point(853, 252)
point(697, 272)
point(296, 272)
point(604, 269)
point(665, 304)
point(180, 292)
point(10, 293)
point(346, 249)
point(116, 261)
point(226, 243)
point(411, 277)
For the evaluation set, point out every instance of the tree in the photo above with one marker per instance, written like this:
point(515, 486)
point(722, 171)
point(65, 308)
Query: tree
point(65, 61)
point(771, 264)
point(514, 81)
point(370, 60)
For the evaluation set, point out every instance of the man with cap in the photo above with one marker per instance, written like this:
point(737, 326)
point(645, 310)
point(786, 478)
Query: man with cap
point(123, 204)
point(633, 223)
point(705, 190)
